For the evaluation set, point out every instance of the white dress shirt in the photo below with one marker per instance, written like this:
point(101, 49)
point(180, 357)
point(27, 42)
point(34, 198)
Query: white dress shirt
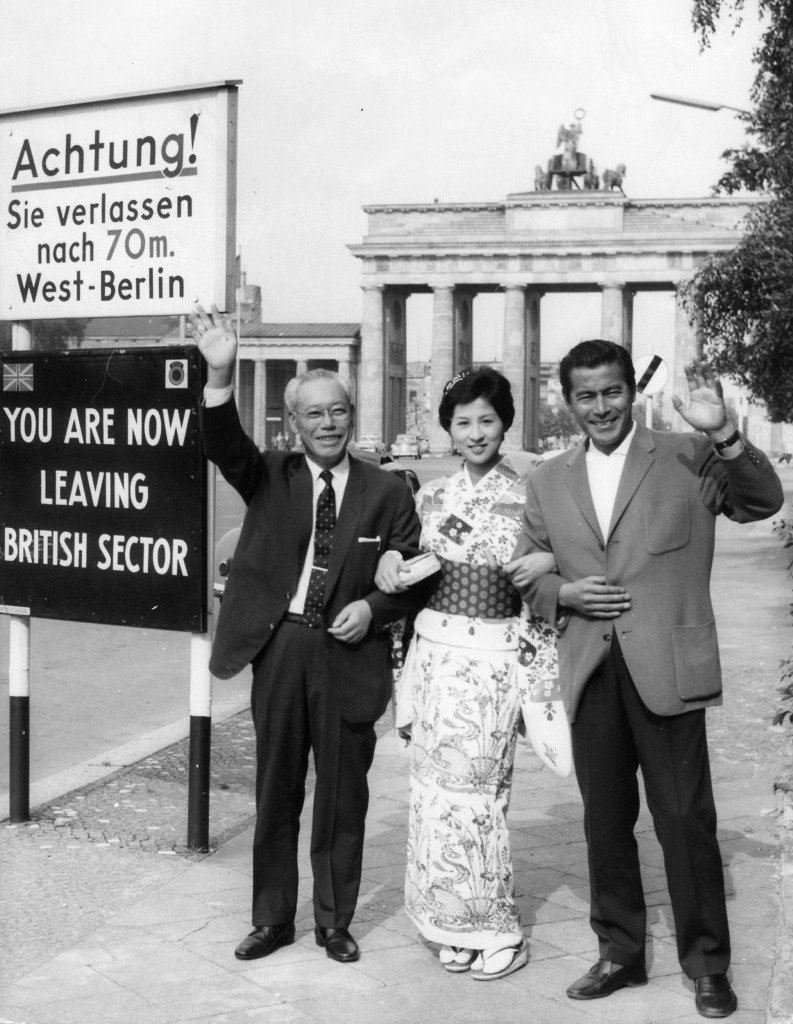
point(604, 473)
point(340, 474)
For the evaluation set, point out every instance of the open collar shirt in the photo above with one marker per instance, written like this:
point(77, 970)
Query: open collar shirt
point(604, 473)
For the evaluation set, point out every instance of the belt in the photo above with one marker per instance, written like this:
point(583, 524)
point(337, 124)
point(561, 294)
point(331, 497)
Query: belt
point(298, 620)
point(475, 591)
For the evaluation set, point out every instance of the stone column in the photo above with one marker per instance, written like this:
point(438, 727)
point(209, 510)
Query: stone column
point(628, 296)
point(371, 372)
point(612, 320)
point(514, 360)
point(531, 425)
point(442, 361)
point(688, 346)
point(301, 366)
point(260, 403)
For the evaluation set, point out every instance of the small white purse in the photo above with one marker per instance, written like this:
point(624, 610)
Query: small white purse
point(541, 696)
point(548, 731)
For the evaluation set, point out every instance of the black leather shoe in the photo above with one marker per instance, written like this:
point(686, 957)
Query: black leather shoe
point(605, 977)
point(265, 940)
point(338, 943)
point(714, 996)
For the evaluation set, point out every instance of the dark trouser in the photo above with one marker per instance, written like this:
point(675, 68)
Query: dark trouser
point(294, 710)
point(614, 734)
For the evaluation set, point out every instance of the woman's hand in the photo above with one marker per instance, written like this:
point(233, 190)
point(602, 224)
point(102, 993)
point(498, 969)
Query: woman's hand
point(527, 568)
point(387, 578)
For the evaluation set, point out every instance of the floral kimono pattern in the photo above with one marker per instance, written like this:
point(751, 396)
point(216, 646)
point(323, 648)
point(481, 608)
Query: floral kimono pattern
point(461, 690)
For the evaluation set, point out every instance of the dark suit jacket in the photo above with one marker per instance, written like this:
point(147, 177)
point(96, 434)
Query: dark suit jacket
point(659, 548)
point(277, 489)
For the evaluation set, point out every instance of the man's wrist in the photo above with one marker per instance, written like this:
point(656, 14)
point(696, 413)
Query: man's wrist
point(218, 379)
point(722, 433)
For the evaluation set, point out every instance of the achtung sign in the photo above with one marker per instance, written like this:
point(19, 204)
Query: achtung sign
point(103, 504)
point(119, 207)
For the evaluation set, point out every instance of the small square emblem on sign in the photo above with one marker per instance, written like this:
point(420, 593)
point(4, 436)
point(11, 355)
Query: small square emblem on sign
point(175, 373)
point(18, 377)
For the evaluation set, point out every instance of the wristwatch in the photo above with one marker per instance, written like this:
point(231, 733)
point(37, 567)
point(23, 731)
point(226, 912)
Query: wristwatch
point(728, 442)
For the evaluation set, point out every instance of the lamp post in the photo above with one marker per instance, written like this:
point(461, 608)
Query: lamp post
point(683, 101)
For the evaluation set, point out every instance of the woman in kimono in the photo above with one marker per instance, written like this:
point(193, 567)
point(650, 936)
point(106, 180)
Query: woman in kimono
point(459, 693)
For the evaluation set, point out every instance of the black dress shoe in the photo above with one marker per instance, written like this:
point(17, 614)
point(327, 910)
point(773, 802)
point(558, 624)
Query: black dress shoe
point(338, 943)
point(605, 977)
point(714, 996)
point(264, 940)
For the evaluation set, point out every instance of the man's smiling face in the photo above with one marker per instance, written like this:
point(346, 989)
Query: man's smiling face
point(600, 401)
point(324, 420)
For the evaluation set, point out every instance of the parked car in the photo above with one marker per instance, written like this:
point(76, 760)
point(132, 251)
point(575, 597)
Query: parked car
point(370, 443)
point(405, 447)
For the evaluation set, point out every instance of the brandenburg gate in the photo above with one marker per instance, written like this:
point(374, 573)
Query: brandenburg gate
point(529, 245)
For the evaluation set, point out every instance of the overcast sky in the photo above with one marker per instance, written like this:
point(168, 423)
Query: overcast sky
point(349, 102)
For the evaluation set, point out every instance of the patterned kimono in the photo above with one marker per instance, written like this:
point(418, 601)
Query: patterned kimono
point(461, 688)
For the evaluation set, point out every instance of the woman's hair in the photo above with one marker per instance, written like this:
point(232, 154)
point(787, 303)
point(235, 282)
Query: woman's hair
point(470, 384)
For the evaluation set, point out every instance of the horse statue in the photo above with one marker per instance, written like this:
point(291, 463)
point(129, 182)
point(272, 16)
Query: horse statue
point(613, 179)
point(542, 180)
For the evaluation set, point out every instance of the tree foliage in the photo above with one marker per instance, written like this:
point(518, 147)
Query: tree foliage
point(557, 425)
point(743, 299)
point(57, 334)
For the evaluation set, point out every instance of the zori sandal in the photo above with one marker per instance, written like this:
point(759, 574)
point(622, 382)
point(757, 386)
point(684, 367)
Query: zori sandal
point(500, 961)
point(456, 959)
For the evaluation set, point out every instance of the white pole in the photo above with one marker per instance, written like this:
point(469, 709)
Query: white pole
point(200, 743)
point(648, 411)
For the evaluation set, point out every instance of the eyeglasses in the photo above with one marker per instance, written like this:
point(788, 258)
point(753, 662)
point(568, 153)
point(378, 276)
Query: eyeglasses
point(338, 413)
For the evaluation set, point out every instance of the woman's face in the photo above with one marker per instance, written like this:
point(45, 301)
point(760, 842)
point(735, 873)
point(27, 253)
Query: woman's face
point(477, 431)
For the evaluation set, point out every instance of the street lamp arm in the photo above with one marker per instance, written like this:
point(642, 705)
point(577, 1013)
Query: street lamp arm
point(699, 104)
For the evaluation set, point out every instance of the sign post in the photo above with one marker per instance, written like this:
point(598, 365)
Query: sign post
point(19, 675)
point(652, 375)
point(115, 206)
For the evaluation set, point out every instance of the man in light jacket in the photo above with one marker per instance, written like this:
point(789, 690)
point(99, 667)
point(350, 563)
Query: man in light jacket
point(630, 517)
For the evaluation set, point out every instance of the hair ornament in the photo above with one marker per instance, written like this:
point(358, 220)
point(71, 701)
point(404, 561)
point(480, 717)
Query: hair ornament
point(447, 387)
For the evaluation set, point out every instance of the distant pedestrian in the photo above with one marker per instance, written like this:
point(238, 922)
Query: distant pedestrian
point(630, 517)
point(301, 606)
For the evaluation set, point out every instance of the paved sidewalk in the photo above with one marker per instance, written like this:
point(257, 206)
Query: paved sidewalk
point(107, 918)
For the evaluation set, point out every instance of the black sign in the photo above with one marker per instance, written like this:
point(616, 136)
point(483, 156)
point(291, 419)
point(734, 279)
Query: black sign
point(103, 487)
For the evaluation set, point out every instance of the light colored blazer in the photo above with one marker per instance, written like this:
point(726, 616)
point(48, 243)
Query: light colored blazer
point(659, 548)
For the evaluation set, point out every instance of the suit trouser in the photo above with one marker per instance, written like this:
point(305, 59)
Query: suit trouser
point(295, 709)
point(613, 735)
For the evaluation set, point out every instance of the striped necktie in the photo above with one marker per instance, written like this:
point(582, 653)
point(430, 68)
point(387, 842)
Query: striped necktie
point(323, 535)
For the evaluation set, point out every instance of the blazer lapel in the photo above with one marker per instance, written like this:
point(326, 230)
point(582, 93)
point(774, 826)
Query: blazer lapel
point(641, 455)
point(347, 524)
point(578, 483)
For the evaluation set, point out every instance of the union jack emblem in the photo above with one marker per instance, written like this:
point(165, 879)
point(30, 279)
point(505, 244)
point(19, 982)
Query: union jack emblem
point(17, 376)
